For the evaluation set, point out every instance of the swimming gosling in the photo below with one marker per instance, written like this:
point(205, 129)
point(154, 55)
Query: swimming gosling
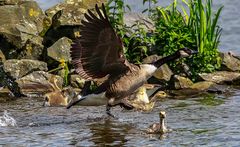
point(158, 128)
point(98, 53)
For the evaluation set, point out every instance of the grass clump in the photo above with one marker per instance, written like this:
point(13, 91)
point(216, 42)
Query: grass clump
point(197, 30)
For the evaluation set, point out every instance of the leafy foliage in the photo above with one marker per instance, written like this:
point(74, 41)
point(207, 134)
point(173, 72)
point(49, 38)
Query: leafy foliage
point(195, 26)
point(135, 44)
point(197, 30)
point(172, 33)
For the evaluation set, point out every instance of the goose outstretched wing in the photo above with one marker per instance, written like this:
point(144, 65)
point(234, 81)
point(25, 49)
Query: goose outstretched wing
point(99, 51)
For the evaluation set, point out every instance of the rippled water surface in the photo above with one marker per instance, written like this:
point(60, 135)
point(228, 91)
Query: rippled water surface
point(205, 120)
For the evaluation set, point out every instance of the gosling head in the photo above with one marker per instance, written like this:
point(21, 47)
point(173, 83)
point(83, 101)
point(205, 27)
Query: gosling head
point(186, 52)
point(59, 97)
point(141, 90)
point(161, 94)
point(162, 114)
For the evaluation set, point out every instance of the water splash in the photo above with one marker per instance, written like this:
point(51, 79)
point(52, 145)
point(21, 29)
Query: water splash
point(7, 120)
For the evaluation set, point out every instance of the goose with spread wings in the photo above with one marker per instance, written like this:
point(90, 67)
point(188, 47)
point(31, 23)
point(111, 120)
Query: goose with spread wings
point(98, 53)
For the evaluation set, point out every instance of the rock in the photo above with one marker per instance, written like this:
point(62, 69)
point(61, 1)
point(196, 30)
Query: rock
point(202, 86)
point(67, 24)
point(20, 68)
point(230, 62)
point(222, 77)
point(151, 59)
point(219, 89)
point(179, 82)
point(8, 81)
point(2, 57)
point(39, 82)
point(76, 81)
point(131, 19)
point(60, 50)
point(163, 73)
point(19, 28)
point(9, 2)
point(73, 10)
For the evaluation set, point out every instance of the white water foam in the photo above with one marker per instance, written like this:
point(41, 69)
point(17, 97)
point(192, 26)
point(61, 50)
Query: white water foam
point(7, 120)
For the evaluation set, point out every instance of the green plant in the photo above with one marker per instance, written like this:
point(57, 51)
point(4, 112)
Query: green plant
point(115, 9)
point(64, 71)
point(137, 42)
point(172, 32)
point(149, 9)
point(196, 30)
point(207, 34)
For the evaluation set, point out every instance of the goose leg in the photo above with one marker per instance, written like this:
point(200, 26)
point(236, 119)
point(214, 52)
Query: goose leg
point(108, 107)
point(126, 105)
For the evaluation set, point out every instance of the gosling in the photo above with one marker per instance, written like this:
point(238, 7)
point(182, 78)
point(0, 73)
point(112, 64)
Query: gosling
point(141, 100)
point(158, 128)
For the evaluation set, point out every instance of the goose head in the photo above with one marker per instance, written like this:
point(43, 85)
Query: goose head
point(186, 52)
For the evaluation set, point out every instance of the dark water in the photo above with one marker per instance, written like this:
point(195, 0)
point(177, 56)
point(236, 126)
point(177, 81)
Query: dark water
point(202, 121)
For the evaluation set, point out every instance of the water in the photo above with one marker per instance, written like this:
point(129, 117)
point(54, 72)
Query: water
point(7, 120)
point(202, 121)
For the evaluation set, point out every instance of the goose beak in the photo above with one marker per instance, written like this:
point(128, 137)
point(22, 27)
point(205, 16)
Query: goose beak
point(194, 52)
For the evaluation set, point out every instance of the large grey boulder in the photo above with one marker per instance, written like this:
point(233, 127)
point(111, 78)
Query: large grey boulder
point(73, 10)
point(20, 68)
point(60, 50)
point(68, 21)
point(221, 77)
point(39, 82)
point(199, 88)
point(20, 25)
point(230, 62)
point(163, 73)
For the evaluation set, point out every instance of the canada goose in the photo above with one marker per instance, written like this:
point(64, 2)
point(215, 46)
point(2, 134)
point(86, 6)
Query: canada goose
point(99, 53)
point(158, 127)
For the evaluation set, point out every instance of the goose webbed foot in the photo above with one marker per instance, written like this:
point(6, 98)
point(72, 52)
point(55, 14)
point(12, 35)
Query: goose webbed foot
point(108, 107)
point(126, 105)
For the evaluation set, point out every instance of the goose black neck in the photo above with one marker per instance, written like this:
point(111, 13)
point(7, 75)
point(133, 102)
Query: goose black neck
point(164, 60)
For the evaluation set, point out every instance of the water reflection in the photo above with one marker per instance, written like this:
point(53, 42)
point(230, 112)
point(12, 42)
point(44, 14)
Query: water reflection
point(109, 132)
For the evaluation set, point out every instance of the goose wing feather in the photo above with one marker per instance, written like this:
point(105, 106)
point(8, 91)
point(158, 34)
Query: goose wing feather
point(98, 52)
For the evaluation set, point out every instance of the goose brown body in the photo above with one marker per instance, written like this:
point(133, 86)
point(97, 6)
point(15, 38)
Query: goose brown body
point(99, 53)
point(127, 83)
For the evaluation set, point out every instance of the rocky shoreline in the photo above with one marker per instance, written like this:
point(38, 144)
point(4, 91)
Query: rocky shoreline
point(35, 51)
